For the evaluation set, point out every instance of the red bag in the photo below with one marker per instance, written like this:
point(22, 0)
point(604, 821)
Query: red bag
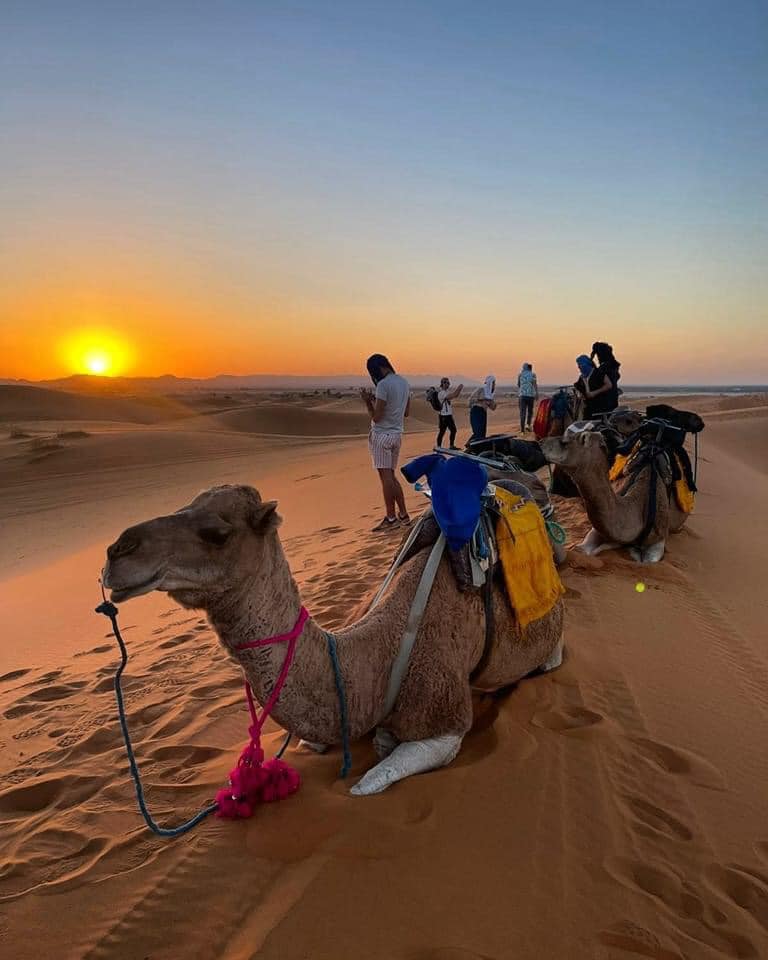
point(541, 423)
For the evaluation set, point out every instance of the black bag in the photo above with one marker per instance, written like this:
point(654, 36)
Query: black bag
point(432, 399)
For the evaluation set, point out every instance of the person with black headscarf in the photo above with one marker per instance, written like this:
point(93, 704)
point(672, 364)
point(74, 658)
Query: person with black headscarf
point(602, 387)
point(388, 404)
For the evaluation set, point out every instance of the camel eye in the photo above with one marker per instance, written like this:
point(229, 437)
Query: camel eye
point(217, 535)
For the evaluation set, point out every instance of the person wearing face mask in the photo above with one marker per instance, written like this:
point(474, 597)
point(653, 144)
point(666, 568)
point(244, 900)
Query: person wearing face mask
point(481, 400)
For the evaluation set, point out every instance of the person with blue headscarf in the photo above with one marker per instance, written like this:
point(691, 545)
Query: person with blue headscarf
point(584, 384)
point(598, 385)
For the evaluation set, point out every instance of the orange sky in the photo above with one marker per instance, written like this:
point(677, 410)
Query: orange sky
point(462, 193)
point(149, 332)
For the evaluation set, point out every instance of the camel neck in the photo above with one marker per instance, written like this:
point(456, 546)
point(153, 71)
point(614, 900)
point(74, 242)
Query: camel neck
point(608, 513)
point(266, 605)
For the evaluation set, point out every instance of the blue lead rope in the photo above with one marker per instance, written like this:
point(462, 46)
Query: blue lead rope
point(110, 610)
point(332, 652)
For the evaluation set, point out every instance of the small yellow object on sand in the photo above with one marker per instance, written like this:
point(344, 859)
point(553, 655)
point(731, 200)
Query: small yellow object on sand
point(640, 587)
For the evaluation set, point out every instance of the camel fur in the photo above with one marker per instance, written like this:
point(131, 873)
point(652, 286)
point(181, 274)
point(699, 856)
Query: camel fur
point(619, 515)
point(222, 554)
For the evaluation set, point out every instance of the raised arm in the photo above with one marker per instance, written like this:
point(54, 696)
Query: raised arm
point(604, 388)
point(452, 394)
point(375, 405)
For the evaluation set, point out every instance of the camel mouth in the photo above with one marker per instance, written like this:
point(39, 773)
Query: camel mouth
point(553, 449)
point(119, 594)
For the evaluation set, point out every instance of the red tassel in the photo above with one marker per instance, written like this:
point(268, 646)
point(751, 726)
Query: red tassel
point(282, 780)
point(253, 781)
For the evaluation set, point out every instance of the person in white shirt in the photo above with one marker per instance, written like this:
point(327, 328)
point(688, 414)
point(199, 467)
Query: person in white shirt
point(446, 421)
point(388, 406)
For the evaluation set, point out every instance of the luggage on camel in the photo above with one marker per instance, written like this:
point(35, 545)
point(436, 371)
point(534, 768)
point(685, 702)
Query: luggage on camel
point(541, 423)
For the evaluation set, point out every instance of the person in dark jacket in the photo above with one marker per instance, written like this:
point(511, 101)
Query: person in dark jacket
point(601, 388)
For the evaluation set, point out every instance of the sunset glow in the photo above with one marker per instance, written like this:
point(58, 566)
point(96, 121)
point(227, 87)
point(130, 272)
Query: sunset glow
point(96, 352)
point(463, 193)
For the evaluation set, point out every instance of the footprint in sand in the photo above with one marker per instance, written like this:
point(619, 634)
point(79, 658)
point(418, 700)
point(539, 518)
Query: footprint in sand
point(650, 818)
point(746, 888)
point(680, 762)
point(567, 719)
point(60, 792)
point(175, 641)
point(698, 916)
point(32, 702)
point(45, 678)
point(13, 675)
point(628, 935)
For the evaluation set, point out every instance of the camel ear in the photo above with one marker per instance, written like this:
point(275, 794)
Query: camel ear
point(265, 517)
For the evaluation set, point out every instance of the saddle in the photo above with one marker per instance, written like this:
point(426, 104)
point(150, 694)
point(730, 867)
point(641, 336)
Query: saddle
point(468, 558)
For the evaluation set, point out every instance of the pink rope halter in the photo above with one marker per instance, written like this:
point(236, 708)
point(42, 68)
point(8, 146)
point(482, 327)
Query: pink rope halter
point(253, 780)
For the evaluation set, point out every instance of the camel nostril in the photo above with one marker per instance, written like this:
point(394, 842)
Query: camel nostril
point(122, 547)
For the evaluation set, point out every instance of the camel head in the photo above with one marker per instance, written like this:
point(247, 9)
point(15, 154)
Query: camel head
point(575, 452)
point(625, 422)
point(195, 553)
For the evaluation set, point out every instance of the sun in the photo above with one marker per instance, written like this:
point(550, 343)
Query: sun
point(98, 352)
point(98, 362)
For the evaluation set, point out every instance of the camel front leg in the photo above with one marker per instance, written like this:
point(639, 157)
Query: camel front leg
point(314, 747)
point(384, 742)
point(651, 554)
point(593, 544)
point(413, 756)
point(555, 658)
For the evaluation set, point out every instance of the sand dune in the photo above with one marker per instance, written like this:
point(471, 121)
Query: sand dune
point(36, 403)
point(614, 809)
point(285, 419)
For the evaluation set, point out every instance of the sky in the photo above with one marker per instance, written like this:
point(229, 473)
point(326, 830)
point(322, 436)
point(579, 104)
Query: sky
point(285, 187)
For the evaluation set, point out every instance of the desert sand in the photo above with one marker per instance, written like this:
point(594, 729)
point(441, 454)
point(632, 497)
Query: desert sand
point(615, 809)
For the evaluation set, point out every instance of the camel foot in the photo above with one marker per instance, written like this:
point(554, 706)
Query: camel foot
point(555, 658)
point(651, 554)
point(593, 544)
point(413, 756)
point(384, 742)
point(315, 747)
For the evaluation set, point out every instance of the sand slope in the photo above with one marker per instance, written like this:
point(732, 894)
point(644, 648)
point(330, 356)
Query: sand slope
point(36, 403)
point(613, 810)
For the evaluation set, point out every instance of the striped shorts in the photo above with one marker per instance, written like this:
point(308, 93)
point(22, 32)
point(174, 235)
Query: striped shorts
point(385, 448)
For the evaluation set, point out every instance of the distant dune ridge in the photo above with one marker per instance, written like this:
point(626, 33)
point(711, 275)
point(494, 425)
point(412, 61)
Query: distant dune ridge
point(170, 384)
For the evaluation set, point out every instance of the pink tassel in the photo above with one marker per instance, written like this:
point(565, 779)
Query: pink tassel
point(282, 780)
point(253, 781)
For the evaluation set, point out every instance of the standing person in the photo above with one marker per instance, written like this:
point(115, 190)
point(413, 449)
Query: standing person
point(586, 381)
point(604, 395)
point(446, 421)
point(388, 405)
point(528, 392)
point(481, 400)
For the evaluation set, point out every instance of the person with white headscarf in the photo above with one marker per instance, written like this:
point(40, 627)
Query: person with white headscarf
point(481, 400)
